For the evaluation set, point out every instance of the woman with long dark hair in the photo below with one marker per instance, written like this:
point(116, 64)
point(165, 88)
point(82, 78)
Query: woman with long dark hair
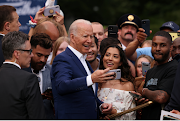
point(117, 91)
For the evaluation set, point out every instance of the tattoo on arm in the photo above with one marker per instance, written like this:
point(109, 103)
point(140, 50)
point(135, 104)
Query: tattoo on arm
point(161, 96)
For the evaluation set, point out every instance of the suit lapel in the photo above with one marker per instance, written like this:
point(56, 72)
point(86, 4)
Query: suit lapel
point(76, 60)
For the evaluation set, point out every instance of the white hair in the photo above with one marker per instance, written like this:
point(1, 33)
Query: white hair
point(73, 27)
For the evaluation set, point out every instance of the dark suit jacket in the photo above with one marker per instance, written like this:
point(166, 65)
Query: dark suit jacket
point(49, 109)
point(1, 52)
point(73, 99)
point(20, 94)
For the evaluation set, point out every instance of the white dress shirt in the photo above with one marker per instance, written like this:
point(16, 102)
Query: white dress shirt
point(40, 78)
point(82, 58)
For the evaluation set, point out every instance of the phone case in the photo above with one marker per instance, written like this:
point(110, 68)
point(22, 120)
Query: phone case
point(50, 11)
point(112, 31)
point(117, 73)
point(146, 26)
point(145, 67)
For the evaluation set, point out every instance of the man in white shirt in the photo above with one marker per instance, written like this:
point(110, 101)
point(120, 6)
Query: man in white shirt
point(75, 97)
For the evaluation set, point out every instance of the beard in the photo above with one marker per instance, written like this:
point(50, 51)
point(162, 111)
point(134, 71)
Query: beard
point(36, 66)
point(165, 56)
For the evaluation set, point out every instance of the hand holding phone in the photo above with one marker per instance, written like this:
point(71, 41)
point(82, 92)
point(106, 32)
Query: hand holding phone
point(117, 73)
point(136, 96)
point(51, 10)
point(146, 26)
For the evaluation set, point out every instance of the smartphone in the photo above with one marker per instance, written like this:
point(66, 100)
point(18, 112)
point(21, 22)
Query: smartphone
point(48, 90)
point(117, 73)
point(135, 95)
point(145, 67)
point(174, 35)
point(146, 26)
point(51, 10)
point(113, 31)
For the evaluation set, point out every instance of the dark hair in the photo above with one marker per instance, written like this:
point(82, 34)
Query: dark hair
point(12, 41)
point(6, 15)
point(125, 68)
point(96, 41)
point(108, 41)
point(164, 34)
point(41, 39)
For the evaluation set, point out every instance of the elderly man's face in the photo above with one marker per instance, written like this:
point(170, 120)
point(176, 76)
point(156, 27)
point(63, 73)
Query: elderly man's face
point(83, 39)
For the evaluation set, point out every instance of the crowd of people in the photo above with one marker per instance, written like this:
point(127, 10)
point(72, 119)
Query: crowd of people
point(54, 74)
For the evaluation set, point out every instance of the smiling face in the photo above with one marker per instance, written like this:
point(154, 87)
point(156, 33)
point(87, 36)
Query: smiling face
point(83, 39)
point(92, 54)
point(160, 49)
point(112, 58)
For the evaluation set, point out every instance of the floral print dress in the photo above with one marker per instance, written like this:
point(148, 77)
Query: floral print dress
point(121, 101)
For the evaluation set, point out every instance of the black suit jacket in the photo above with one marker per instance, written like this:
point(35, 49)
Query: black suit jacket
point(20, 94)
point(1, 52)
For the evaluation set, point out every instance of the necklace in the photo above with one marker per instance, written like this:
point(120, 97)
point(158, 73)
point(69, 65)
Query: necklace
point(110, 89)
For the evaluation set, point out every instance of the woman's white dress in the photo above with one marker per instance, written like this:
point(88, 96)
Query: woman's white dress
point(121, 101)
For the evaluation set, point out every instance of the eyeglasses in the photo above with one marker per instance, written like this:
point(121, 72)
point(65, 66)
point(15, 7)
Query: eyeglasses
point(29, 51)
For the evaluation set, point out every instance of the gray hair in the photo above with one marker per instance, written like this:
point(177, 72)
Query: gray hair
point(73, 27)
point(12, 41)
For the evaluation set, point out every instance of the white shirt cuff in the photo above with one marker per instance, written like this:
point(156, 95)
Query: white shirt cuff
point(89, 80)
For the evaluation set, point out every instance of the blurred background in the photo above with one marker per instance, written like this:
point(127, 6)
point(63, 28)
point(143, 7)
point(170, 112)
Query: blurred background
point(107, 12)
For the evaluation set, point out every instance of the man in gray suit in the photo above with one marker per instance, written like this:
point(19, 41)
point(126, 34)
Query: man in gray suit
point(41, 44)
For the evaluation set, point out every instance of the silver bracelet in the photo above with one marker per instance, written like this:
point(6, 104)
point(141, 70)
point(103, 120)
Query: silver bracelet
point(143, 90)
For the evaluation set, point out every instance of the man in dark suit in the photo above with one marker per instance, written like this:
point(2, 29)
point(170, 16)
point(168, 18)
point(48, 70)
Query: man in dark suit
point(8, 22)
point(21, 97)
point(73, 79)
point(41, 44)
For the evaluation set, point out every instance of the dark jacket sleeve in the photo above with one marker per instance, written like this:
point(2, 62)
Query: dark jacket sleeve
point(175, 95)
point(34, 102)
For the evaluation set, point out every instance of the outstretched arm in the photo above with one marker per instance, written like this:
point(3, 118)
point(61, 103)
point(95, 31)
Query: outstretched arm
point(130, 50)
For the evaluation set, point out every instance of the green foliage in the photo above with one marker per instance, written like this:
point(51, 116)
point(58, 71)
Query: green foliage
point(108, 12)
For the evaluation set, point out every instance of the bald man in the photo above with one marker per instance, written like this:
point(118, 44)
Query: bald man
point(98, 32)
point(51, 28)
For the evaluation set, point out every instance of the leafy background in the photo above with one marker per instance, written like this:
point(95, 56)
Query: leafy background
point(107, 12)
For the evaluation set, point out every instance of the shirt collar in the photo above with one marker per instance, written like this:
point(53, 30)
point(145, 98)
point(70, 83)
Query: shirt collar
point(2, 34)
point(77, 53)
point(12, 64)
